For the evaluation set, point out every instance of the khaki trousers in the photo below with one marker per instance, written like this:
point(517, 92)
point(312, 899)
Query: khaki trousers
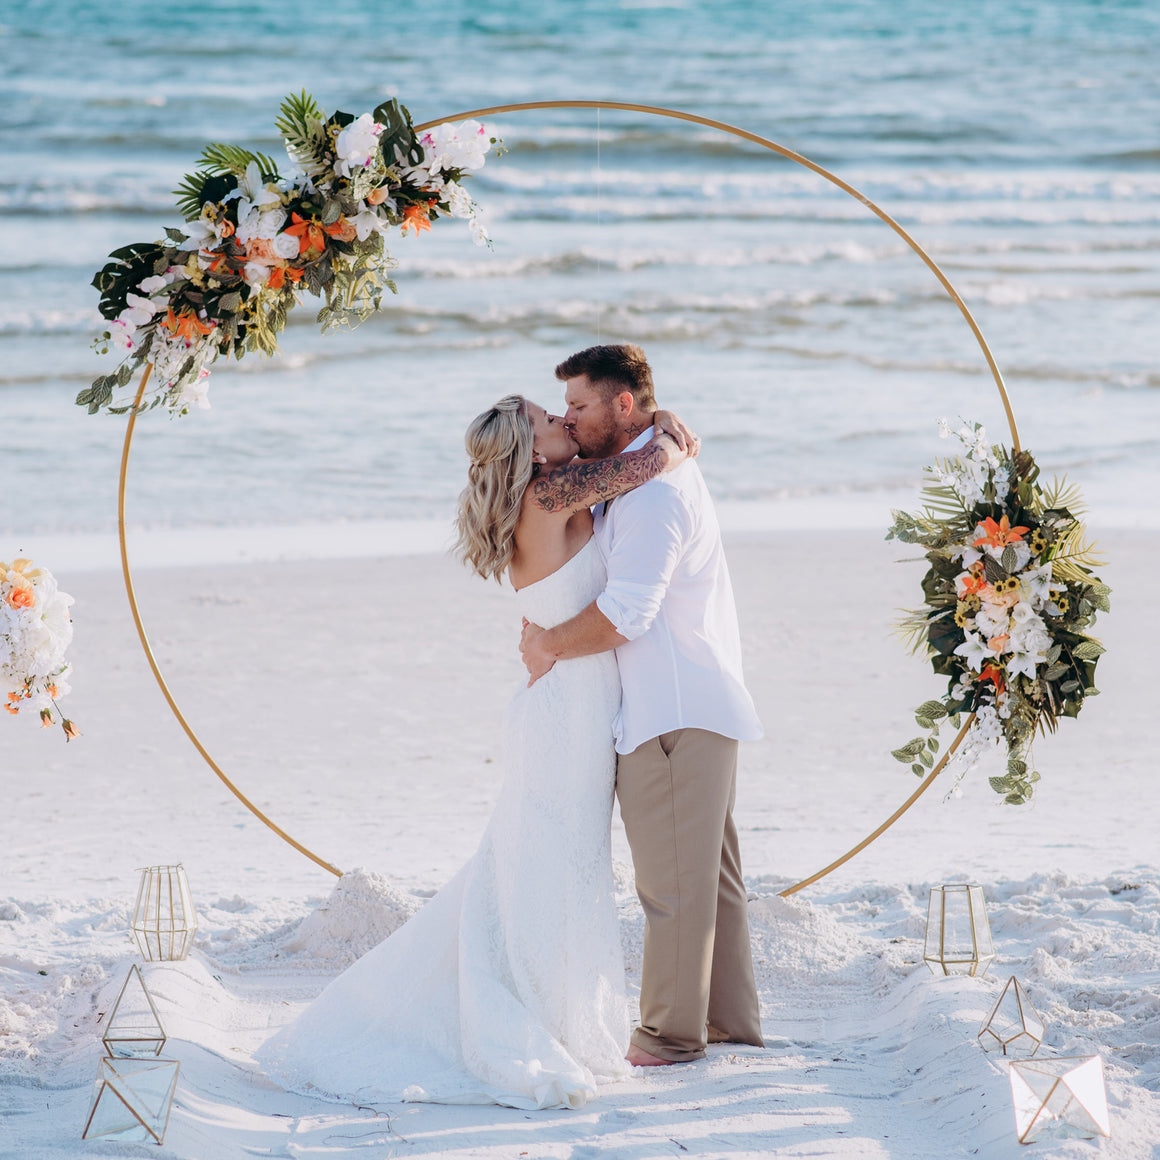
point(676, 800)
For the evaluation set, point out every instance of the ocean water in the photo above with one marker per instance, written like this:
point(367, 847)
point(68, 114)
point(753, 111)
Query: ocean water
point(1018, 142)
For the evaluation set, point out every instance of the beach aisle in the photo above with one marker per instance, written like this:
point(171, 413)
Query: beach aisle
point(358, 702)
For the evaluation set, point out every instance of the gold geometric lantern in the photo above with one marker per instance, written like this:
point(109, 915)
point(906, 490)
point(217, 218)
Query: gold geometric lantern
point(1014, 1026)
point(134, 1027)
point(1062, 1097)
point(958, 936)
point(164, 921)
point(131, 1100)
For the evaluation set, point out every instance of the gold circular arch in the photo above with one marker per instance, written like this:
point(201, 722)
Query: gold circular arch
point(657, 111)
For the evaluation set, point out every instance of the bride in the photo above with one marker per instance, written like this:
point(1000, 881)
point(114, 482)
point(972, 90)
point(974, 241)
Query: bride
point(508, 986)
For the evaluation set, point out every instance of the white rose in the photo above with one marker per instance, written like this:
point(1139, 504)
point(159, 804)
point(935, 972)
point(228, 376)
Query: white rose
point(285, 245)
point(256, 222)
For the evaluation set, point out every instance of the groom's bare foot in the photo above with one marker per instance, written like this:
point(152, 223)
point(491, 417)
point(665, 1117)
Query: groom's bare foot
point(640, 1058)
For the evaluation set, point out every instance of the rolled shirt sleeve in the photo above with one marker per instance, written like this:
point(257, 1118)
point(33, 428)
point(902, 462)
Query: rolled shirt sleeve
point(652, 533)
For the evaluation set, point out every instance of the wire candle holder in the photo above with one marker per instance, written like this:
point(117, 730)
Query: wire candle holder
point(164, 918)
point(958, 935)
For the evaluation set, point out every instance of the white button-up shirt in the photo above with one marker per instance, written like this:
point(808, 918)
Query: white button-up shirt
point(668, 592)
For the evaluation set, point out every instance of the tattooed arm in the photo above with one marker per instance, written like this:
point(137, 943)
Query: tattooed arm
point(581, 484)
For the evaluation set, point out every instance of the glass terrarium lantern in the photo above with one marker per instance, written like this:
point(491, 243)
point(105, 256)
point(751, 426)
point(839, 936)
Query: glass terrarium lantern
point(164, 920)
point(1063, 1097)
point(958, 936)
point(131, 1100)
point(134, 1028)
point(1014, 1027)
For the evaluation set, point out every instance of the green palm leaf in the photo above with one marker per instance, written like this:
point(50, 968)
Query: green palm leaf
point(300, 122)
point(218, 158)
point(188, 194)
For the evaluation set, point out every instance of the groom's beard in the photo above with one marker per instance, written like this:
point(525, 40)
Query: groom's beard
point(602, 442)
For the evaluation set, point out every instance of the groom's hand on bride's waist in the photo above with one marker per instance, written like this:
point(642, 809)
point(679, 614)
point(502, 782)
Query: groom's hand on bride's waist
point(537, 659)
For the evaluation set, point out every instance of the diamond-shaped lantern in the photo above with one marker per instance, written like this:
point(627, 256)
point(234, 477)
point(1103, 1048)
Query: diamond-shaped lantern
point(1063, 1097)
point(958, 936)
point(131, 1100)
point(164, 921)
point(134, 1027)
point(1014, 1027)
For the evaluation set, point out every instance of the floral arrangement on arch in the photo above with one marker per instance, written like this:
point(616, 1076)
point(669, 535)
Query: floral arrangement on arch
point(1009, 597)
point(225, 281)
point(35, 631)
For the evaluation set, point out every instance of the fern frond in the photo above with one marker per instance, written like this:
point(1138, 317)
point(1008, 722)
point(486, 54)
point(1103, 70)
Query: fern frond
point(219, 158)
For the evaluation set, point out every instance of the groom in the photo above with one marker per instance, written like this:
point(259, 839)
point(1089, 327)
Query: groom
point(668, 611)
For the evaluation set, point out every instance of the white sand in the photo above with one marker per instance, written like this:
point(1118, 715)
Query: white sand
point(358, 701)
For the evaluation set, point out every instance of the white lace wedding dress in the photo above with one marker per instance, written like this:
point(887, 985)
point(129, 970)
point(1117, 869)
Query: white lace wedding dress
point(508, 986)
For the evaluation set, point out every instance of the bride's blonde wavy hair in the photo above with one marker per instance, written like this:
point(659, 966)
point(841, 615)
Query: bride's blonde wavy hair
point(499, 443)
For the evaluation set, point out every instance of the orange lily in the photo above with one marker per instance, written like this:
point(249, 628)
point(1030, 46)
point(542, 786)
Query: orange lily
point(1000, 534)
point(415, 217)
point(279, 274)
point(187, 326)
point(975, 582)
point(993, 674)
point(342, 229)
point(311, 236)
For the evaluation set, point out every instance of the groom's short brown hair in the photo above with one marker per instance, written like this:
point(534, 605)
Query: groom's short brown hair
point(612, 369)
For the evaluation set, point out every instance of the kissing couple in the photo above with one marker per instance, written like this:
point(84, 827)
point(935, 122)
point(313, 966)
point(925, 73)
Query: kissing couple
point(508, 986)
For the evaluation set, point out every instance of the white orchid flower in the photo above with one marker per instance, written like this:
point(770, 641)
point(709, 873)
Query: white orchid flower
point(159, 281)
point(357, 144)
point(368, 222)
point(479, 234)
point(195, 394)
point(260, 212)
point(976, 652)
point(462, 146)
point(138, 310)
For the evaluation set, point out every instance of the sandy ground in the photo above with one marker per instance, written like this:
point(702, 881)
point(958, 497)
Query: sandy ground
point(358, 700)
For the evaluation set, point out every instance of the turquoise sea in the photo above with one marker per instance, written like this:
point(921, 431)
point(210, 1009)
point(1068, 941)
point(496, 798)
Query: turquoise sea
point(1018, 142)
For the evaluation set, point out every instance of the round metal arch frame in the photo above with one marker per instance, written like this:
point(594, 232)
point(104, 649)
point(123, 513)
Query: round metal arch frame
point(657, 111)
